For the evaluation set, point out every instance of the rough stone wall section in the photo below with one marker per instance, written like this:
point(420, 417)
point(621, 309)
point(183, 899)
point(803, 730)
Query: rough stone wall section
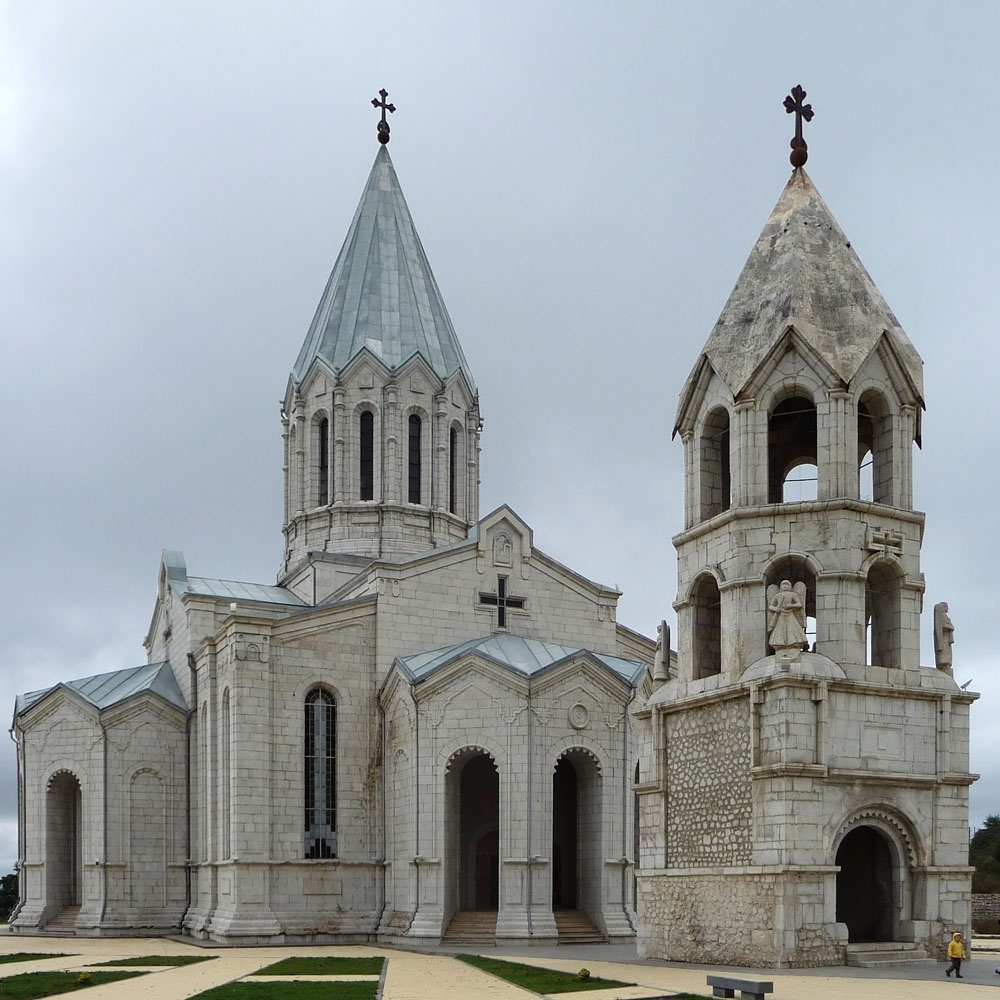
point(986, 912)
point(709, 816)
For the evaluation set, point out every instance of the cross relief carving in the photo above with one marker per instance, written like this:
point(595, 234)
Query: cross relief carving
point(885, 540)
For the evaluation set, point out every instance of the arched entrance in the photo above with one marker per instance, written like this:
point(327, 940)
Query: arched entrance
point(576, 832)
point(64, 849)
point(865, 897)
point(477, 855)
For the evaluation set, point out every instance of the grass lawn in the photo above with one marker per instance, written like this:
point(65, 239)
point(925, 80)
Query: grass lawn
point(157, 960)
point(279, 990)
point(540, 980)
point(305, 965)
point(29, 956)
point(33, 985)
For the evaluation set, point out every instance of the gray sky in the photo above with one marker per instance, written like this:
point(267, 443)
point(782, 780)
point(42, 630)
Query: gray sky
point(176, 179)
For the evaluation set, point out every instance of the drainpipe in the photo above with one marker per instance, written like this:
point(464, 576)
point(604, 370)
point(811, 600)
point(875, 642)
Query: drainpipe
point(528, 845)
point(416, 808)
point(188, 839)
point(381, 718)
point(104, 832)
point(626, 771)
point(22, 769)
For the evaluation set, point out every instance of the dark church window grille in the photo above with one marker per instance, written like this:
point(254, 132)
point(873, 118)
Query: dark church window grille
point(453, 470)
point(323, 444)
point(501, 600)
point(320, 775)
point(367, 450)
point(413, 467)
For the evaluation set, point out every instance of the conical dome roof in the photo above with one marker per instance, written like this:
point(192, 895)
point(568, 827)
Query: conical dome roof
point(803, 273)
point(382, 294)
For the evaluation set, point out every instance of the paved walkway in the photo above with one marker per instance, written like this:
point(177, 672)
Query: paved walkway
point(438, 975)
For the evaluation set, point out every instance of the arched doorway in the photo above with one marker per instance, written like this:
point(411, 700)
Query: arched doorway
point(865, 896)
point(64, 849)
point(576, 833)
point(478, 848)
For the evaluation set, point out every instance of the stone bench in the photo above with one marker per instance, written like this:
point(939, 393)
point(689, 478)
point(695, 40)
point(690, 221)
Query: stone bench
point(750, 989)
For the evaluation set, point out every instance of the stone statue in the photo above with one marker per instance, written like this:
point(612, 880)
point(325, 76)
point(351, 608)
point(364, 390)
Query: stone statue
point(786, 619)
point(944, 636)
point(661, 659)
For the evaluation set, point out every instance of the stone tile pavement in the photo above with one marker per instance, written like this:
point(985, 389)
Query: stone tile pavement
point(437, 975)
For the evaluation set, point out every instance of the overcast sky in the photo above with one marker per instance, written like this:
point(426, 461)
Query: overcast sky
point(176, 179)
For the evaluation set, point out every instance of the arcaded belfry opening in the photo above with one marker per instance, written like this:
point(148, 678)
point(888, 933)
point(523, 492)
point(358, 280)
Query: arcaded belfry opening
point(576, 832)
point(796, 570)
point(874, 448)
point(866, 885)
point(64, 843)
point(706, 627)
point(472, 809)
point(884, 631)
point(715, 480)
point(791, 451)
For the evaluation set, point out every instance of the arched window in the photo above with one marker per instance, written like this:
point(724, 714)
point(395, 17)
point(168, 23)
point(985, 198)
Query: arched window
point(225, 781)
point(882, 614)
point(874, 448)
point(715, 485)
point(791, 450)
point(453, 470)
point(796, 570)
point(413, 460)
point(323, 461)
point(706, 627)
point(320, 761)
point(366, 451)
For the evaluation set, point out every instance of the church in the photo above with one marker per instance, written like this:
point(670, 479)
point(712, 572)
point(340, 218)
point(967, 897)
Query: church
point(427, 729)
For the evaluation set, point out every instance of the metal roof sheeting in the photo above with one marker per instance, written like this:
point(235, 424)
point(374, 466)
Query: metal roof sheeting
point(382, 294)
point(524, 656)
point(104, 690)
point(235, 591)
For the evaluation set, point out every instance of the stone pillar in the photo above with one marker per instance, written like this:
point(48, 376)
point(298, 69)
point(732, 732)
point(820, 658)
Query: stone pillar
point(394, 464)
point(902, 472)
point(300, 459)
point(338, 432)
point(740, 449)
point(285, 466)
point(690, 480)
point(837, 448)
point(438, 453)
point(472, 447)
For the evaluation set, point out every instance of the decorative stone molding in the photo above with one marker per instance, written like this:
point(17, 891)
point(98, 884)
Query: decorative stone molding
point(888, 821)
point(579, 716)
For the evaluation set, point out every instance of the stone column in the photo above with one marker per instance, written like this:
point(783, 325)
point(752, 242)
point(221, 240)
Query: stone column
point(837, 448)
point(690, 480)
point(472, 432)
point(338, 432)
point(300, 459)
point(438, 453)
point(394, 466)
point(902, 473)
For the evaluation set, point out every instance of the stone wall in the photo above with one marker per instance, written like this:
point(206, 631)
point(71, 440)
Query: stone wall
point(709, 806)
point(986, 912)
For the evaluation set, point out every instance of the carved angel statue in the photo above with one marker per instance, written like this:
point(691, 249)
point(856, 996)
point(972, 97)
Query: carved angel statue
point(661, 660)
point(944, 636)
point(786, 616)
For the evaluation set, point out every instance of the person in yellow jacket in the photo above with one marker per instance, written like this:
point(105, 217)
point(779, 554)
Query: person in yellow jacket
point(956, 952)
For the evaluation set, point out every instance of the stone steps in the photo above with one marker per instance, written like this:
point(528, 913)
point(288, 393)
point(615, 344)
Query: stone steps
point(472, 927)
point(876, 954)
point(64, 922)
point(575, 927)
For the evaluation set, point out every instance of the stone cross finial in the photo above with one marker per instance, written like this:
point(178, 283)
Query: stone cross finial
point(383, 125)
point(794, 105)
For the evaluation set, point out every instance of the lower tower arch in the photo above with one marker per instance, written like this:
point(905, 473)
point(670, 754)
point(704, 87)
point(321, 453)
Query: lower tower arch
point(577, 865)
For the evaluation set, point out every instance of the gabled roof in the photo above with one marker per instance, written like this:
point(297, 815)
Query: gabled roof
point(382, 294)
point(803, 273)
point(234, 590)
point(524, 656)
point(104, 690)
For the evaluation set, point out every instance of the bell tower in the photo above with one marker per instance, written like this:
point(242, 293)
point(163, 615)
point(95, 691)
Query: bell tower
point(380, 418)
point(804, 783)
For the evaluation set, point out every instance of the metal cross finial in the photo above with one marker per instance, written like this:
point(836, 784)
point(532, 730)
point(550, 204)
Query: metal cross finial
point(794, 105)
point(383, 125)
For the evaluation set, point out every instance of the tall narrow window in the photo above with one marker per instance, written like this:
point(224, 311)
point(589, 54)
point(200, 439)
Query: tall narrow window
point(413, 462)
point(225, 822)
point(323, 444)
point(882, 615)
point(715, 486)
point(707, 632)
point(875, 448)
point(453, 470)
point(320, 775)
point(367, 452)
point(791, 451)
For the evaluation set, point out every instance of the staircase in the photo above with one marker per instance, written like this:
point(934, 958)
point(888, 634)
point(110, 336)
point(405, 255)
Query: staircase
point(575, 927)
point(874, 954)
point(64, 922)
point(472, 927)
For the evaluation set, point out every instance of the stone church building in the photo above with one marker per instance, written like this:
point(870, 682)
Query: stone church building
point(430, 729)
